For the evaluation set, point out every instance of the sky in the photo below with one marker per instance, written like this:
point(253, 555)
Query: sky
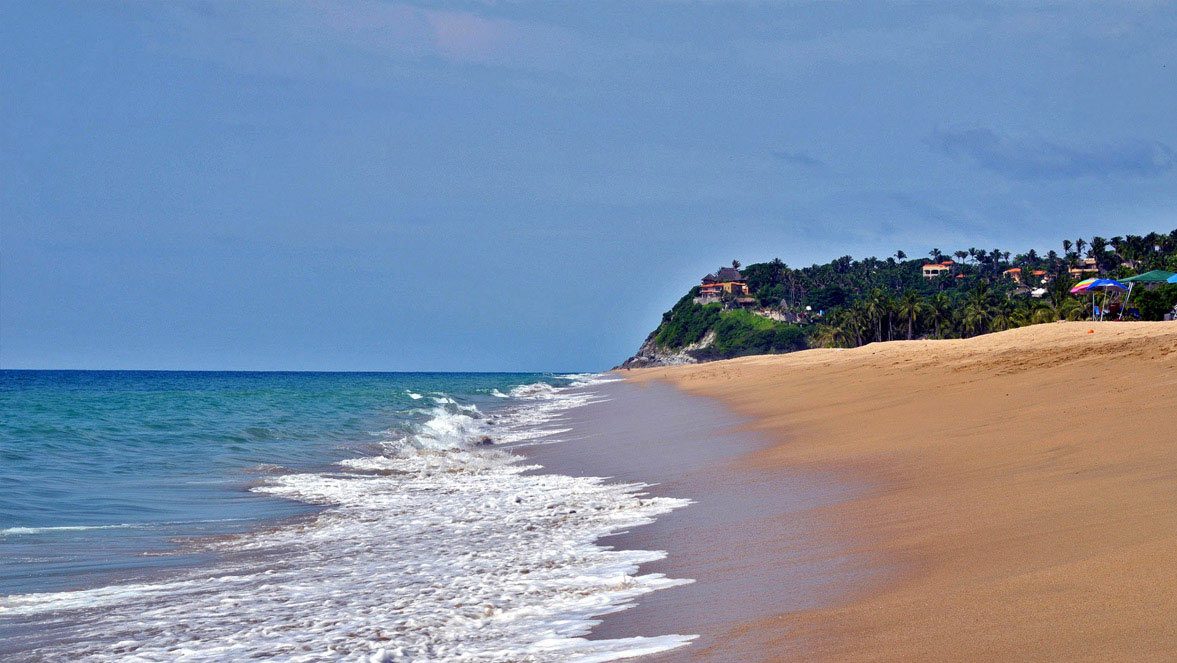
point(376, 185)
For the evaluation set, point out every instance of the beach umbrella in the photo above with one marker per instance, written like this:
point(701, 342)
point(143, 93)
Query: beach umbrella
point(1107, 285)
point(1148, 278)
point(1155, 276)
point(1082, 286)
point(1094, 285)
point(1087, 285)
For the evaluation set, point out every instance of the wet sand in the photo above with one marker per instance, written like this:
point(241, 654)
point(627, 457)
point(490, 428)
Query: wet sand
point(1014, 498)
point(753, 539)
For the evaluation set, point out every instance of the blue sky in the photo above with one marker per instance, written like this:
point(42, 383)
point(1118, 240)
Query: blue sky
point(521, 186)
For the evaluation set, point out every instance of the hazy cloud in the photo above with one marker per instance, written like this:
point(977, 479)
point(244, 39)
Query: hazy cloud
point(798, 158)
point(357, 40)
point(1027, 159)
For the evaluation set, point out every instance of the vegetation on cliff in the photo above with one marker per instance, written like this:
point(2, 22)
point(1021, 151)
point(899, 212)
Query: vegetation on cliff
point(737, 332)
point(852, 302)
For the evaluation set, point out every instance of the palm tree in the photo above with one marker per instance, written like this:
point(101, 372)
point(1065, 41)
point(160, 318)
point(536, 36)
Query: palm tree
point(975, 318)
point(1062, 305)
point(1072, 309)
point(858, 322)
point(939, 311)
point(995, 259)
point(1023, 315)
point(826, 335)
point(910, 307)
point(1002, 316)
point(977, 311)
point(876, 308)
point(890, 302)
point(1043, 313)
point(936, 255)
point(1104, 261)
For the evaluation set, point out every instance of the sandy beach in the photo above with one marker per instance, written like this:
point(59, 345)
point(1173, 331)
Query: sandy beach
point(1008, 497)
point(694, 447)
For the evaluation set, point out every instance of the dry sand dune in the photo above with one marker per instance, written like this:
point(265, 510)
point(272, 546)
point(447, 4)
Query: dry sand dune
point(1023, 490)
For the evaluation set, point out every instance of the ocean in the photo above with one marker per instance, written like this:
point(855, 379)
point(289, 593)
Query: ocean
point(307, 516)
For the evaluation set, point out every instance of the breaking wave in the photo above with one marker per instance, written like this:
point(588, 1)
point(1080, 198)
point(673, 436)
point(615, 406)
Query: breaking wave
point(440, 548)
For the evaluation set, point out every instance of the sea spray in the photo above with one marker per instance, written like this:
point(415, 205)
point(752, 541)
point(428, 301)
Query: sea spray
point(433, 550)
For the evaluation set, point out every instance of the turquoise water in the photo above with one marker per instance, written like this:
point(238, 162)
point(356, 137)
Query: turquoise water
point(308, 516)
point(104, 474)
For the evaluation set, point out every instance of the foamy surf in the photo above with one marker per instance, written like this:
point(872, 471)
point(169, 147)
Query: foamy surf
point(19, 531)
point(15, 531)
point(436, 550)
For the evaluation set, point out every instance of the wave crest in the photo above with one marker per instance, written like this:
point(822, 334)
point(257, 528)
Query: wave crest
point(438, 550)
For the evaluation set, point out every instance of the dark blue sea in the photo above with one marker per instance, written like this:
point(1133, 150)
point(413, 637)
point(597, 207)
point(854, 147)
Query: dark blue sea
point(313, 516)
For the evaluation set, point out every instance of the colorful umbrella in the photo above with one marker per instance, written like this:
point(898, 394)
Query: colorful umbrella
point(1092, 285)
point(1087, 285)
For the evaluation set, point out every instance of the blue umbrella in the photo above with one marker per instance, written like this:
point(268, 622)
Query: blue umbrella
point(1173, 278)
point(1098, 284)
point(1107, 284)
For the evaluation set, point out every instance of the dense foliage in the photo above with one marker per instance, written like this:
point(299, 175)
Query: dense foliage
point(737, 332)
point(854, 302)
point(742, 332)
point(686, 323)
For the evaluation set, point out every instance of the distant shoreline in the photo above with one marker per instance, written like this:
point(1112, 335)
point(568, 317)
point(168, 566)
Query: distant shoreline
point(1020, 501)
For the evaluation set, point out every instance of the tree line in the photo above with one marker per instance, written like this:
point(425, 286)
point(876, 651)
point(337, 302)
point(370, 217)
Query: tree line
point(876, 299)
point(854, 302)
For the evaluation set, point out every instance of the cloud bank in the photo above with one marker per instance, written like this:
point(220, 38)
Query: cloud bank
point(1028, 159)
point(797, 158)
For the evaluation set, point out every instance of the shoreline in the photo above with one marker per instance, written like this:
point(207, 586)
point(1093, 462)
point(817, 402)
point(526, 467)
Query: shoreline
point(1021, 491)
point(430, 546)
point(695, 448)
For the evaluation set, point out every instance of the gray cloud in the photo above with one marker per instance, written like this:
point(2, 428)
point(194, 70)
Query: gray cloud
point(1026, 159)
point(795, 158)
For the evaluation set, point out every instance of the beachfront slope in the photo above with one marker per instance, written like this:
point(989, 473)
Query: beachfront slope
point(1024, 490)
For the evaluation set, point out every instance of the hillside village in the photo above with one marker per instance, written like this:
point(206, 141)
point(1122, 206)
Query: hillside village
point(770, 307)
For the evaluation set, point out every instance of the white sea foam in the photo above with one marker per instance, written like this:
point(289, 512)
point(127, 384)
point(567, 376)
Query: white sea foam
point(13, 531)
point(17, 531)
point(436, 550)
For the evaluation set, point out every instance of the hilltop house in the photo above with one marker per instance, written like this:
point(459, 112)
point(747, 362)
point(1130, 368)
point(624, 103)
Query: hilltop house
point(1014, 274)
point(1084, 267)
point(728, 281)
point(935, 269)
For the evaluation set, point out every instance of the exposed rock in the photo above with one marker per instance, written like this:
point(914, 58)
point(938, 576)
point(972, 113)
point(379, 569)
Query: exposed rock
point(650, 354)
point(485, 441)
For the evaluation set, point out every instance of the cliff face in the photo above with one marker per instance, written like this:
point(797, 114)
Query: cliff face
point(650, 354)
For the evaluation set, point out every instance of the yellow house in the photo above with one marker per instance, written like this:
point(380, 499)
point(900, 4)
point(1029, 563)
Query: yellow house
point(727, 279)
point(1084, 266)
point(932, 270)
